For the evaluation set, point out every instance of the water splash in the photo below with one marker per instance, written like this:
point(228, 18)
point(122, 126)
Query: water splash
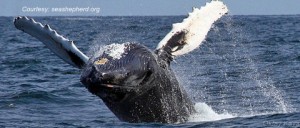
point(115, 50)
point(230, 79)
point(259, 93)
point(263, 84)
point(205, 113)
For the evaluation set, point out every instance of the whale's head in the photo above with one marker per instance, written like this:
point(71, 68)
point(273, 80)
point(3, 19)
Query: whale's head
point(121, 70)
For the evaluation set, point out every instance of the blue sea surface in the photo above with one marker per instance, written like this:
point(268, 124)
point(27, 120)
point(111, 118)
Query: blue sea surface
point(245, 74)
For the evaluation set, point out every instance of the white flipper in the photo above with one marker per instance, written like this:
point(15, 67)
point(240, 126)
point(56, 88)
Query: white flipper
point(62, 47)
point(188, 35)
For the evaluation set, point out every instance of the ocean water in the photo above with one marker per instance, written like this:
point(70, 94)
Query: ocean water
point(245, 74)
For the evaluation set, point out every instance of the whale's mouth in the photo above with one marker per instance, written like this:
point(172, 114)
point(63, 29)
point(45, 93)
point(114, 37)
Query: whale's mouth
point(118, 88)
point(112, 92)
point(117, 92)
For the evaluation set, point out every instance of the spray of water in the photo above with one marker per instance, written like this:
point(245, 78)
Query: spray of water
point(205, 112)
point(259, 95)
point(264, 84)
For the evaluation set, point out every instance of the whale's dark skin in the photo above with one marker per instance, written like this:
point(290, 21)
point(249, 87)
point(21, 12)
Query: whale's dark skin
point(139, 87)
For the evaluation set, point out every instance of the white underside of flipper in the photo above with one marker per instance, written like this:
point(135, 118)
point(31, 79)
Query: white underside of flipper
point(192, 31)
point(62, 47)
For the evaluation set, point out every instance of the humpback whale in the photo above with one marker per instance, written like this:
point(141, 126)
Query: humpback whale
point(136, 83)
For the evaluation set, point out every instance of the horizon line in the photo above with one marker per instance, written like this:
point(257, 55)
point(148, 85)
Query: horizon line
point(141, 15)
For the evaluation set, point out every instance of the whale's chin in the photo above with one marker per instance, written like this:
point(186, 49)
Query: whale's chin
point(109, 92)
point(109, 96)
point(113, 92)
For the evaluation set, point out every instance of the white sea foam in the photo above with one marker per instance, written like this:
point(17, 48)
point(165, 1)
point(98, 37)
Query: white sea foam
point(206, 113)
point(115, 50)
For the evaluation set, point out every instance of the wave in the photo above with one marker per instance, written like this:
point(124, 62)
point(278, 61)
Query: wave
point(205, 112)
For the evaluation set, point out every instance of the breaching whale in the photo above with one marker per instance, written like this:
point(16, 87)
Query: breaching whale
point(136, 83)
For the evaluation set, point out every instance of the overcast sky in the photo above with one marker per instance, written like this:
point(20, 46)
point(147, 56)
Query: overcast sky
point(141, 7)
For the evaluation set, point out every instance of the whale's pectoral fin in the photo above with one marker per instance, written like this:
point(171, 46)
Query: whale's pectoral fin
point(62, 47)
point(188, 35)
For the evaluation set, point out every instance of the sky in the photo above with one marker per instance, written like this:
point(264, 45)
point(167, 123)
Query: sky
point(140, 7)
